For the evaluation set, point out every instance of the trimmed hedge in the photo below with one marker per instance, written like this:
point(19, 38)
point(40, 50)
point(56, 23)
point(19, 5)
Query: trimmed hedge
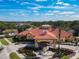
point(13, 55)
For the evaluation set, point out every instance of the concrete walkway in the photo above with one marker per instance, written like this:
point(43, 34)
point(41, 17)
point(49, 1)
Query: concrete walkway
point(13, 48)
point(4, 54)
point(75, 57)
point(77, 54)
point(74, 48)
point(9, 49)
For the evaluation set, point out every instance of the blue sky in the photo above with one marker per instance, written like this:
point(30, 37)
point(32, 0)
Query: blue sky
point(39, 10)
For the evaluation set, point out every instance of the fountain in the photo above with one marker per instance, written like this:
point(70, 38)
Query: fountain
point(44, 53)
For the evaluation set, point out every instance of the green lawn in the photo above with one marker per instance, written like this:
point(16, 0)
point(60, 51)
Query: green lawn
point(13, 55)
point(77, 58)
point(65, 57)
point(4, 42)
point(10, 39)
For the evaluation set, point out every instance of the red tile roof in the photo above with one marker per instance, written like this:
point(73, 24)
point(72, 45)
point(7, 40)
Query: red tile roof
point(50, 33)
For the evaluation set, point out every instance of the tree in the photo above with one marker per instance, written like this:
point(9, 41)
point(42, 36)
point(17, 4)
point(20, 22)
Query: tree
point(75, 27)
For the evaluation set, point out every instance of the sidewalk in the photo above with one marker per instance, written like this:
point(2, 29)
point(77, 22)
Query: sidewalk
point(76, 56)
point(4, 54)
point(12, 48)
point(74, 48)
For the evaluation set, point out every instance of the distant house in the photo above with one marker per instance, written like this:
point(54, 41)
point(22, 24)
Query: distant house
point(10, 32)
point(47, 33)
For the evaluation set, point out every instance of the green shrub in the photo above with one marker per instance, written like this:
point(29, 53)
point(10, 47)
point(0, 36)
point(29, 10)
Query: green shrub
point(13, 55)
point(65, 57)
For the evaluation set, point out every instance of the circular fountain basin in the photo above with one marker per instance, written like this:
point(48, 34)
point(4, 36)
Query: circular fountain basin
point(44, 55)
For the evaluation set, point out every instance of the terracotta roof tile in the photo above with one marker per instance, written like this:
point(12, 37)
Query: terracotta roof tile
point(50, 34)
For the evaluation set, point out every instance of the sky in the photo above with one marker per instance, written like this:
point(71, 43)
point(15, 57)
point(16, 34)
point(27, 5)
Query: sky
point(39, 10)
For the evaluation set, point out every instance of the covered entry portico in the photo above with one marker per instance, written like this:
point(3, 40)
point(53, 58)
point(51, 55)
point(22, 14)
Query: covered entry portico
point(48, 41)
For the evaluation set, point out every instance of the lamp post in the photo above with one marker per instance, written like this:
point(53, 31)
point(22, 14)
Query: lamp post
point(59, 38)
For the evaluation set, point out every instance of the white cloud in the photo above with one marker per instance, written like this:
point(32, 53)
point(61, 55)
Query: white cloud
point(17, 14)
point(36, 14)
point(75, 16)
point(59, 7)
point(35, 8)
point(67, 12)
point(54, 12)
point(17, 1)
point(48, 14)
point(51, 7)
point(23, 3)
point(63, 3)
point(60, 3)
point(35, 11)
point(22, 14)
point(14, 1)
point(13, 14)
point(66, 4)
point(75, 5)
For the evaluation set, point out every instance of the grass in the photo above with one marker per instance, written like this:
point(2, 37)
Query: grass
point(13, 55)
point(65, 57)
point(77, 58)
point(10, 39)
point(0, 43)
point(4, 42)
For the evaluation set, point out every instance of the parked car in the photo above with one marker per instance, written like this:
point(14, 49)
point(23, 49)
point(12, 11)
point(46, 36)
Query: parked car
point(3, 35)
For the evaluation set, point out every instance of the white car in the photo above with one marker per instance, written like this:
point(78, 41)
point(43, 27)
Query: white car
point(2, 35)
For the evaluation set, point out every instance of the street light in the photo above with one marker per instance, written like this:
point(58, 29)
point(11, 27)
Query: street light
point(59, 38)
point(59, 41)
